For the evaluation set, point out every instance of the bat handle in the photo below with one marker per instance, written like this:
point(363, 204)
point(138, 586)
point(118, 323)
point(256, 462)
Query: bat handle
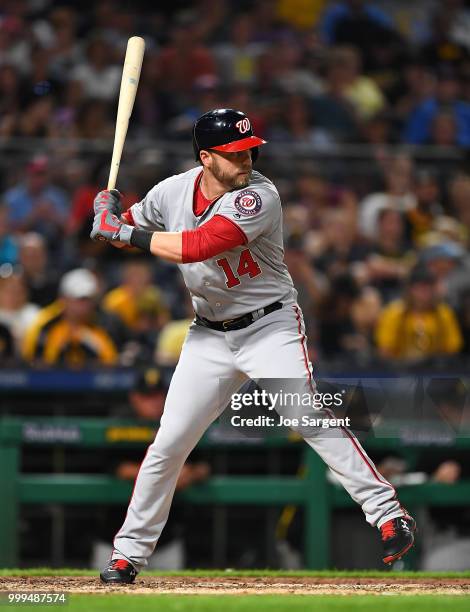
point(114, 169)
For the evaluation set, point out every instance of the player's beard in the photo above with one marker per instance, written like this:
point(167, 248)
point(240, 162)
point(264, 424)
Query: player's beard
point(230, 181)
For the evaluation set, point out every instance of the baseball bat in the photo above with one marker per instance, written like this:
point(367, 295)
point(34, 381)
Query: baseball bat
point(129, 82)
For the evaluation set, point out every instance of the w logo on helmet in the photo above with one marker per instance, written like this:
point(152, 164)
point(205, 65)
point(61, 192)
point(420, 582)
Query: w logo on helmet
point(243, 125)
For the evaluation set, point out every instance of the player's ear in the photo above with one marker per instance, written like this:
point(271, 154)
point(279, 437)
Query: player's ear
point(204, 157)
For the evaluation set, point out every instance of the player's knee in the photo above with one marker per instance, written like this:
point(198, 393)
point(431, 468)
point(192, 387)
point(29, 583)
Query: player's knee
point(170, 449)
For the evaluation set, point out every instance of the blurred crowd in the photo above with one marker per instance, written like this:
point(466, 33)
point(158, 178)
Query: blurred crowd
point(381, 260)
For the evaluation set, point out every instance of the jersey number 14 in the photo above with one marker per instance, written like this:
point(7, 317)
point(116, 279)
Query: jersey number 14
point(246, 265)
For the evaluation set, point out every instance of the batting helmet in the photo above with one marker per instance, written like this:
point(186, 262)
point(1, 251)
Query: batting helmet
point(225, 129)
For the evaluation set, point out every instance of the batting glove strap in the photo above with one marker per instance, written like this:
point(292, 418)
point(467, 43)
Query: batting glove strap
point(125, 233)
point(108, 200)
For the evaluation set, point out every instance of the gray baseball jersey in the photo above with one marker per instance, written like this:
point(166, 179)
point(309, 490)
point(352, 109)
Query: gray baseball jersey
point(242, 279)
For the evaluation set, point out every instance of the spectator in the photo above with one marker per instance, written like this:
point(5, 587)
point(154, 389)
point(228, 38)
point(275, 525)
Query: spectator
point(292, 76)
point(93, 121)
point(397, 194)
point(377, 130)
point(365, 312)
point(11, 99)
point(16, 311)
point(463, 314)
point(444, 129)
point(113, 22)
point(299, 14)
point(7, 345)
point(236, 58)
point(39, 273)
point(295, 126)
point(451, 268)
point(367, 27)
point(459, 196)
point(61, 42)
point(15, 43)
point(311, 285)
point(335, 14)
point(144, 334)
point(68, 331)
point(333, 110)
point(185, 59)
point(442, 46)
point(36, 204)
point(422, 217)
point(418, 325)
point(98, 75)
point(154, 106)
point(447, 228)
point(170, 341)
point(340, 247)
point(335, 325)
point(365, 96)
point(460, 22)
point(268, 29)
point(390, 260)
point(204, 96)
point(416, 84)
point(8, 245)
point(317, 195)
point(129, 299)
point(37, 119)
point(418, 128)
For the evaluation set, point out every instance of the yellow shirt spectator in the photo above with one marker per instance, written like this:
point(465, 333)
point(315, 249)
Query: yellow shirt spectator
point(170, 342)
point(302, 14)
point(127, 306)
point(407, 334)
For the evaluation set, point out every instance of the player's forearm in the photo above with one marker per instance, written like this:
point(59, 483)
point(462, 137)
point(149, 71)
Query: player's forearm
point(168, 246)
point(212, 238)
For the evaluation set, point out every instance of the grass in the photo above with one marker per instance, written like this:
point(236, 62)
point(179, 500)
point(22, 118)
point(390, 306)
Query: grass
point(47, 571)
point(268, 603)
point(123, 602)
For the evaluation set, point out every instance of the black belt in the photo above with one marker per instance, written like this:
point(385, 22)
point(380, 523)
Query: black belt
point(239, 322)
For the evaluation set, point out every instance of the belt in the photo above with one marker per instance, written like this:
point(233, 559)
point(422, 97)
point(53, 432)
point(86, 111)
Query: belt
point(239, 322)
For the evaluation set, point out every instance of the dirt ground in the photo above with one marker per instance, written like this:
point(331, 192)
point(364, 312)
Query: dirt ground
point(242, 585)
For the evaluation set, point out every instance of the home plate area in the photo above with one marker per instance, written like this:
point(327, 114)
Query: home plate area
point(295, 585)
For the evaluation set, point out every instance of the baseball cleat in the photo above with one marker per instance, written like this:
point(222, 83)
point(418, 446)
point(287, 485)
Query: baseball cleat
point(397, 537)
point(118, 571)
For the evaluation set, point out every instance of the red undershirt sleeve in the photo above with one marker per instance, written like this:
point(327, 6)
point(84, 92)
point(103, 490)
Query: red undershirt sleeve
point(216, 236)
point(127, 217)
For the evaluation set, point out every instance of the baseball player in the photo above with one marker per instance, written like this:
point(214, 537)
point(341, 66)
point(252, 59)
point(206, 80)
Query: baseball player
point(221, 222)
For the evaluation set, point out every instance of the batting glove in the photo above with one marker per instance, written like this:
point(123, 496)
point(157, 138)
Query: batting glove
point(108, 200)
point(107, 226)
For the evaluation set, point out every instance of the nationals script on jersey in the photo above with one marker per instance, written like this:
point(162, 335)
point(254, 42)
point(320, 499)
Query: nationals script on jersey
point(241, 279)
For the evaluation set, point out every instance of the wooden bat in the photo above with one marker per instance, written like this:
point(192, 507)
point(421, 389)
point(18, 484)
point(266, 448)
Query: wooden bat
point(129, 82)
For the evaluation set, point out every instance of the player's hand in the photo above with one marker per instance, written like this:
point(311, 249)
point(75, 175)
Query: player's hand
point(107, 226)
point(108, 200)
point(127, 470)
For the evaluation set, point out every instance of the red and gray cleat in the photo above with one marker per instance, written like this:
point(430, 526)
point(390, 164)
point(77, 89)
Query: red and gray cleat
point(397, 537)
point(118, 571)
